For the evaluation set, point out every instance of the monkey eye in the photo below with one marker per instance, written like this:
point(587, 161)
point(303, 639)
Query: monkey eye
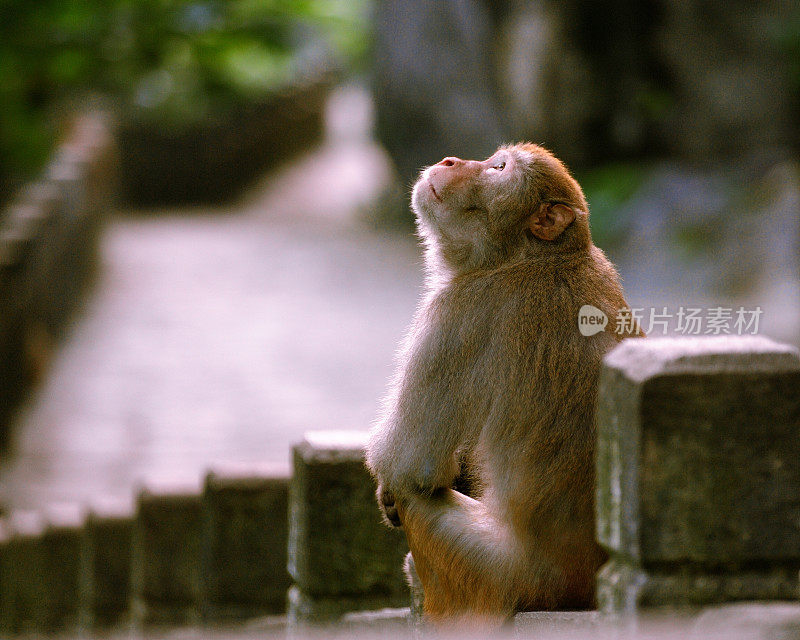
point(499, 166)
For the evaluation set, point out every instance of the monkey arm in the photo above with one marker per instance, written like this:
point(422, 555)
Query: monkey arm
point(414, 448)
point(426, 422)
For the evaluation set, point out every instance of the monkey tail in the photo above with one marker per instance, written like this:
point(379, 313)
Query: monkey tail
point(464, 556)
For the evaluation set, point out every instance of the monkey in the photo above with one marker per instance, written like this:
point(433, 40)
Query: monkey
point(496, 383)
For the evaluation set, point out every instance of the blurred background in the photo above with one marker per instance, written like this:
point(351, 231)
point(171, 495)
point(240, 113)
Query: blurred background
point(251, 264)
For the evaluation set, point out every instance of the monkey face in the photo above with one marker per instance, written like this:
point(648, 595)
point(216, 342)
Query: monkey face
point(479, 213)
point(454, 192)
point(471, 213)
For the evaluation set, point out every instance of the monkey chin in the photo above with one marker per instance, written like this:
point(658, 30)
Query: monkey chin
point(424, 199)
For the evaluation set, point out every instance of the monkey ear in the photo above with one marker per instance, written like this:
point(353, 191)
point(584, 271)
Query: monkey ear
point(550, 220)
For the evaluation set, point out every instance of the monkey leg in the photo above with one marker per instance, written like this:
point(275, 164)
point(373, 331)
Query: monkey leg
point(467, 561)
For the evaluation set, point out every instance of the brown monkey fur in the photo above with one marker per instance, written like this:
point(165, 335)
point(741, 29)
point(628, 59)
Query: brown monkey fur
point(494, 375)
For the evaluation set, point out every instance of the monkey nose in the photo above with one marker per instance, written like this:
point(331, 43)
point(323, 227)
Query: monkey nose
point(449, 162)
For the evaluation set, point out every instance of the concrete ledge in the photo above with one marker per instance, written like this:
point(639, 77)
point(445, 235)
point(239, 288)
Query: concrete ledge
point(387, 623)
point(317, 611)
point(7, 591)
point(48, 245)
point(23, 583)
point(640, 360)
point(534, 624)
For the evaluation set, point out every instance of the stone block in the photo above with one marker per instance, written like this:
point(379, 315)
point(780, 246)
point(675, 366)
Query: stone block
point(23, 569)
point(31, 225)
point(743, 621)
point(339, 549)
point(30, 244)
point(245, 531)
point(67, 172)
point(165, 573)
point(7, 595)
point(29, 215)
point(698, 471)
point(16, 242)
point(12, 343)
point(70, 244)
point(105, 588)
point(61, 565)
point(97, 145)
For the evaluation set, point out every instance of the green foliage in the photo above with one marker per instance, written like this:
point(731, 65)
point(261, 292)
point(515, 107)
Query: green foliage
point(607, 188)
point(170, 61)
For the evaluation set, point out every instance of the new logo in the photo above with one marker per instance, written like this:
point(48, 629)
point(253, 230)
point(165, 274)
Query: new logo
point(591, 320)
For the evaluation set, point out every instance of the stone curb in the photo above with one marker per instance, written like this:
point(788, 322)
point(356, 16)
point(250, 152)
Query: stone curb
point(105, 585)
point(202, 554)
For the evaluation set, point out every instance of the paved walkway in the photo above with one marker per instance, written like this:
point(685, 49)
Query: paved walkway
point(222, 335)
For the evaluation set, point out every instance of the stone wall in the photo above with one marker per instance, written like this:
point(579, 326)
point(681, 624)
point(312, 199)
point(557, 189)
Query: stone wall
point(213, 161)
point(48, 253)
point(697, 504)
point(213, 553)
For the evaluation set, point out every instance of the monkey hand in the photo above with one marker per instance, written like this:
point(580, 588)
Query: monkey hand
point(386, 501)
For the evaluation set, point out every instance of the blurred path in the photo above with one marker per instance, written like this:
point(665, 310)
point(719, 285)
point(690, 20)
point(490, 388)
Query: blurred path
point(223, 335)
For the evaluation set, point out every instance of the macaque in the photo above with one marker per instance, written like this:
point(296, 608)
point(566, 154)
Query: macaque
point(497, 384)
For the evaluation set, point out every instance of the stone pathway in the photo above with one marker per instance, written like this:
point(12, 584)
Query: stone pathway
point(220, 335)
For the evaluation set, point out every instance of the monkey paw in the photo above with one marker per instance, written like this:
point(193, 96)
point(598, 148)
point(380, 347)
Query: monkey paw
point(388, 507)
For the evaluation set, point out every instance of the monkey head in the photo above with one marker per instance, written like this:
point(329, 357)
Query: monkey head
point(474, 214)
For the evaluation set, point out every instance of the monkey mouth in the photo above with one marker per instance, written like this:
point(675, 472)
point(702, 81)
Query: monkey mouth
point(433, 191)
